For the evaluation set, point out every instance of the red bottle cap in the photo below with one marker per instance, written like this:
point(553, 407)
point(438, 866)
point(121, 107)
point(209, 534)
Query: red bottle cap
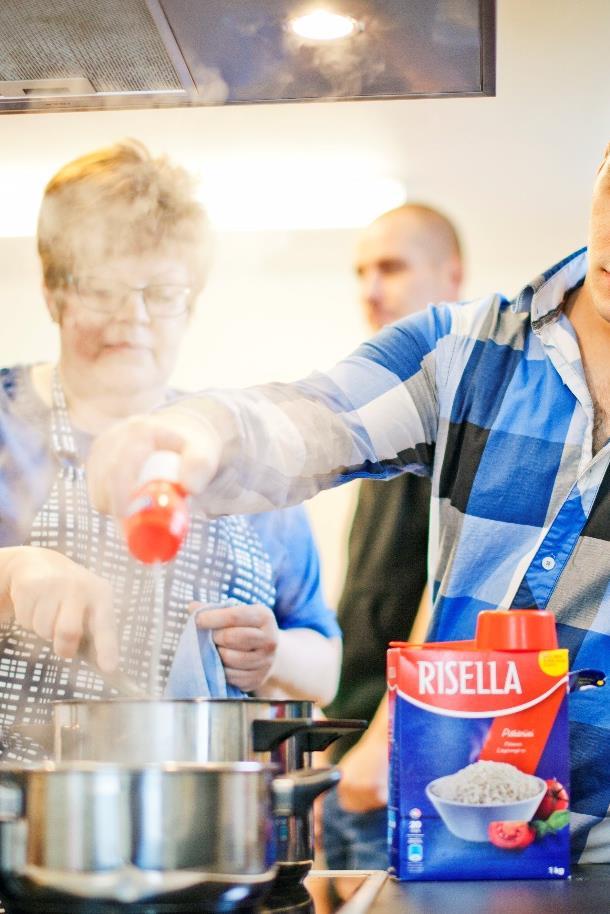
point(516, 630)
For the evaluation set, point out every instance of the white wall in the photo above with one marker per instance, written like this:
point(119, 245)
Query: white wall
point(514, 171)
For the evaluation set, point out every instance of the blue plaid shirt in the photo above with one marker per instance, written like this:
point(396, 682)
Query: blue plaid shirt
point(489, 398)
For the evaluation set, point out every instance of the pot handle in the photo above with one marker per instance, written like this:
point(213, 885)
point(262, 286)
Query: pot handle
point(324, 732)
point(294, 793)
point(267, 735)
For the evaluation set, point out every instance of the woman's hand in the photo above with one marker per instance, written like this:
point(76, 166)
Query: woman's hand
point(247, 639)
point(59, 600)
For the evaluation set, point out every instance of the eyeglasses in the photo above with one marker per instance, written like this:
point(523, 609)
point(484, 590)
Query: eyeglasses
point(106, 295)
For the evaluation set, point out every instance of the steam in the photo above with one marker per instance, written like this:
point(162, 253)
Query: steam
point(212, 88)
point(253, 57)
point(401, 49)
point(342, 69)
point(156, 621)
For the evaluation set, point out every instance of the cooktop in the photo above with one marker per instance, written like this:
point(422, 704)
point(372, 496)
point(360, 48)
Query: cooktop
point(322, 892)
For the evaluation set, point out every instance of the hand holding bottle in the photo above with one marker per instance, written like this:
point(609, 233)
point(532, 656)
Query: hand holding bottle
point(119, 454)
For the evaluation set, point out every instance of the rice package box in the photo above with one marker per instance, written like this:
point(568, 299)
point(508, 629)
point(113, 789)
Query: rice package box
point(479, 763)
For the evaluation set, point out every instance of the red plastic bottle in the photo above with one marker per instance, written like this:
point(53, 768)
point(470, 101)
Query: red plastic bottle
point(157, 517)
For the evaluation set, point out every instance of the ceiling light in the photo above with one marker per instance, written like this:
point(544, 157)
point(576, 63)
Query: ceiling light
point(321, 25)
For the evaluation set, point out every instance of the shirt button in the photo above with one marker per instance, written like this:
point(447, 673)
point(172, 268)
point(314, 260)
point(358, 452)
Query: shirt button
point(548, 562)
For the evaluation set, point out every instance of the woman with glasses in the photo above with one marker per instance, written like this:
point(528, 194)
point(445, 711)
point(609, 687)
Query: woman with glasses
point(124, 244)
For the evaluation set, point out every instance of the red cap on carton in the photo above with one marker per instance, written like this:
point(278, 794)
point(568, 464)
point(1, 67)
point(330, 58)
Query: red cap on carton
point(516, 630)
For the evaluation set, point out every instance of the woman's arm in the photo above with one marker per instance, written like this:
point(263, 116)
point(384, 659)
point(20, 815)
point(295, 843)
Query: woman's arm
point(306, 666)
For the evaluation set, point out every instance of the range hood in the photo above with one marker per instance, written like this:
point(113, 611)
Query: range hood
point(86, 54)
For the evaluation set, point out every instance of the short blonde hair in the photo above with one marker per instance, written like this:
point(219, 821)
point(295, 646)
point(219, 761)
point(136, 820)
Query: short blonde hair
point(119, 201)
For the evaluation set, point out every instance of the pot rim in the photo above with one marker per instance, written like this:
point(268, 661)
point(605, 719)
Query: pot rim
point(86, 766)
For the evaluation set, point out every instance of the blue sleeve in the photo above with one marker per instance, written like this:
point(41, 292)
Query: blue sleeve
point(376, 413)
point(288, 540)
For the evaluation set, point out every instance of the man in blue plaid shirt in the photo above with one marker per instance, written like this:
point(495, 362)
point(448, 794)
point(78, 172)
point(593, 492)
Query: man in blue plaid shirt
point(506, 405)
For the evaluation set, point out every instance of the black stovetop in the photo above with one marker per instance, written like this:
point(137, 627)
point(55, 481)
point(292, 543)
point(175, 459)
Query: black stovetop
point(321, 892)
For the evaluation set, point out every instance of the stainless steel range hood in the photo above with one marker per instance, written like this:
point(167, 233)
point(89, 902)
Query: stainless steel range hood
point(80, 54)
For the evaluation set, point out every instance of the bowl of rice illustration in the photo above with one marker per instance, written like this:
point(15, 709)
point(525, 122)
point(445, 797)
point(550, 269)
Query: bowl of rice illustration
point(473, 797)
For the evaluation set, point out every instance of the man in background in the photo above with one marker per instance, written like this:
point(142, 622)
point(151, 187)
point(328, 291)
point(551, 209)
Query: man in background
point(407, 258)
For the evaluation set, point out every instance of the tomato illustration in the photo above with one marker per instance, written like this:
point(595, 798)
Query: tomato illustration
point(556, 797)
point(511, 835)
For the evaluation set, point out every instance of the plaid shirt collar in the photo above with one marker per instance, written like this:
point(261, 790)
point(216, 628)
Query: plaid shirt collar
point(543, 297)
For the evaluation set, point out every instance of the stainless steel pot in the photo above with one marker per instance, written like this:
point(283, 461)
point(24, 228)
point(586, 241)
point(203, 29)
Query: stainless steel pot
point(172, 834)
point(139, 732)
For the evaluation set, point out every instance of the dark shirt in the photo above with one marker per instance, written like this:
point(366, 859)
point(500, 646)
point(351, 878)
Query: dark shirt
point(385, 579)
